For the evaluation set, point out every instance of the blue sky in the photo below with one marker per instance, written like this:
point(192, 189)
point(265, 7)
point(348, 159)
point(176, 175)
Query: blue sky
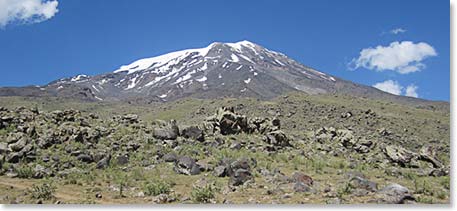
point(93, 37)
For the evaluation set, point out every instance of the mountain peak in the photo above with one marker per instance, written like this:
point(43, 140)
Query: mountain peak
point(173, 58)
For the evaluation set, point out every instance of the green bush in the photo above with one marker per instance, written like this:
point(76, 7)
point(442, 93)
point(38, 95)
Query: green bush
point(44, 191)
point(6, 130)
point(156, 188)
point(203, 194)
point(24, 171)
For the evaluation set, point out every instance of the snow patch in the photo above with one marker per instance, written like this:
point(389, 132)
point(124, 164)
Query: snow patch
point(247, 81)
point(234, 58)
point(280, 63)
point(243, 90)
point(95, 88)
point(246, 58)
point(238, 46)
point(238, 68)
point(167, 76)
point(255, 73)
point(79, 78)
point(163, 61)
point(132, 83)
point(205, 66)
point(202, 79)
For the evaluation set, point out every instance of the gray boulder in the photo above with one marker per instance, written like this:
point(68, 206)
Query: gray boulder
point(186, 165)
point(193, 132)
point(19, 145)
point(104, 162)
point(169, 132)
point(85, 158)
point(395, 194)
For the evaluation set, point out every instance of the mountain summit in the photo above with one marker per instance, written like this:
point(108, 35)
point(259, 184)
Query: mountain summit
point(241, 69)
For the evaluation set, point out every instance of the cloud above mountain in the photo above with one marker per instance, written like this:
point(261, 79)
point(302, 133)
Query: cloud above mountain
point(390, 86)
point(402, 57)
point(26, 11)
point(394, 87)
point(411, 91)
point(397, 31)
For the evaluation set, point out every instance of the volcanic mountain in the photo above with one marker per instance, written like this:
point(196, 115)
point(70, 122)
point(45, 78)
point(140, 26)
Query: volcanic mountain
point(241, 69)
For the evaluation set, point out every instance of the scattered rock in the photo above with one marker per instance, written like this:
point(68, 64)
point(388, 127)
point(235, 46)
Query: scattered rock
point(169, 132)
point(395, 194)
point(104, 162)
point(186, 165)
point(193, 132)
point(399, 155)
point(85, 158)
point(122, 159)
point(170, 157)
point(362, 183)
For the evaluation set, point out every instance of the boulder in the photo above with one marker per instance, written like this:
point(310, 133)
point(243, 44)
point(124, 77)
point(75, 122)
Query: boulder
point(169, 132)
point(362, 183)
point(122, 159)
point(303, 178)
point(40, 172)
point(399, 155)
point(130, 119)
point(14, 157)
point(220, 171)
point(301, 187)
point(427, 153)
point(395, 194)
point(239, 177)
point(19, 145)
point(239, 172)
point(85, 158)
point(170, 157)
point(277, 139)
point(193, 132)
point(104, 162)
point(3, 148)
point(186, 165)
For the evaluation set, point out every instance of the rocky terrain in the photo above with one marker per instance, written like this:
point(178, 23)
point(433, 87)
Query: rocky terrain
point(294, 148)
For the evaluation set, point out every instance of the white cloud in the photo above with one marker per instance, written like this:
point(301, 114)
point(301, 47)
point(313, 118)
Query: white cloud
point(402, 57)
point(397, 31)
point(389, 86)
point(26, 11)
point(411, 91)
point(396, 88)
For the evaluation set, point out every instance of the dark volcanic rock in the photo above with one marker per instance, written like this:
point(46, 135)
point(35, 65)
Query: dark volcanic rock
point(85, 158)
point(193, 132)
point(187, 165)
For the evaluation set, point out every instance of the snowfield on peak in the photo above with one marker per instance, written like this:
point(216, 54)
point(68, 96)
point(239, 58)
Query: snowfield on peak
point(162, 60)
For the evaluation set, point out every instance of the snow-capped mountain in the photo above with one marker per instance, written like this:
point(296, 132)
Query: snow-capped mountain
point(241, 69)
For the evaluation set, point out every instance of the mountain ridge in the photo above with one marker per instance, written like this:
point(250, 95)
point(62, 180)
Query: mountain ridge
point(241, 69)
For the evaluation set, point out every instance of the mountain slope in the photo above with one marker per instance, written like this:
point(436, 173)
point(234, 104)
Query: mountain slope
point(241, 69)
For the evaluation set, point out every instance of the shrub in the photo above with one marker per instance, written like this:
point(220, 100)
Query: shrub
point(346, 189)
point(157, 188)
point(44, 191)
point(24, 171)
point(203, 194)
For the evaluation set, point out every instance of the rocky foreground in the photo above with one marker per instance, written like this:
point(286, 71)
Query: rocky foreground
point(71, 156)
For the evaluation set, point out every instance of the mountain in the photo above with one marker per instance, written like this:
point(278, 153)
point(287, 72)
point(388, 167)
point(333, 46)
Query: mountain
point(241, 69)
